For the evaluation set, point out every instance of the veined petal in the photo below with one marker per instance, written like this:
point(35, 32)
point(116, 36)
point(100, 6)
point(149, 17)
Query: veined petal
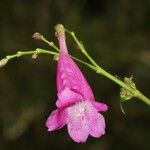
point(67, 97)
point(56, 120)
point(96, 121)
point(77, 123)
point(97, 125)
point(78, 133)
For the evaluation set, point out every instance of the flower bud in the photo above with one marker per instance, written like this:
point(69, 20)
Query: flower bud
point(3, 62)
point(34, 56)
point(37, 36)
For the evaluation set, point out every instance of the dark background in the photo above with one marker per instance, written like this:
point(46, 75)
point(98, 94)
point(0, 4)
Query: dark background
point(116, 34)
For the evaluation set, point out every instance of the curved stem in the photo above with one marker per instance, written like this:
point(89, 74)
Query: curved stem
point(136, 93)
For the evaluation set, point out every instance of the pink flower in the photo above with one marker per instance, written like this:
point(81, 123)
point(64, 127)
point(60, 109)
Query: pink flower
point(77, 107)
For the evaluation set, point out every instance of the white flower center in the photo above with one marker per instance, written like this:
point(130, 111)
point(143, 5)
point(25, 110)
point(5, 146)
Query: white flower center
point(80, 109)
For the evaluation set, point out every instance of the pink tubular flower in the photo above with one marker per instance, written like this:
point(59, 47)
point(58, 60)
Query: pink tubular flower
point(77, 107)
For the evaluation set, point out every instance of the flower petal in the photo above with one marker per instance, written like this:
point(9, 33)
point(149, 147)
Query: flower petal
point(78, 128)
point(67, 97)
point(78, 133)
point(96, 121)
point(100, 106)
point(69, 75)
point(97, 126)
point(56, 120)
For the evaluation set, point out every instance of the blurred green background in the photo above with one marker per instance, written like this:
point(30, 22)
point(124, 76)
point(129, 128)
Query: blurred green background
point(117, 36)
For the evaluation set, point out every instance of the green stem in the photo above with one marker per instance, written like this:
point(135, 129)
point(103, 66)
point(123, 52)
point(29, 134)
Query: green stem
point(51, 44)
point(136, 93)
point(84, 63)
point(37, 51)
point(82, 48)
point(43, 51)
